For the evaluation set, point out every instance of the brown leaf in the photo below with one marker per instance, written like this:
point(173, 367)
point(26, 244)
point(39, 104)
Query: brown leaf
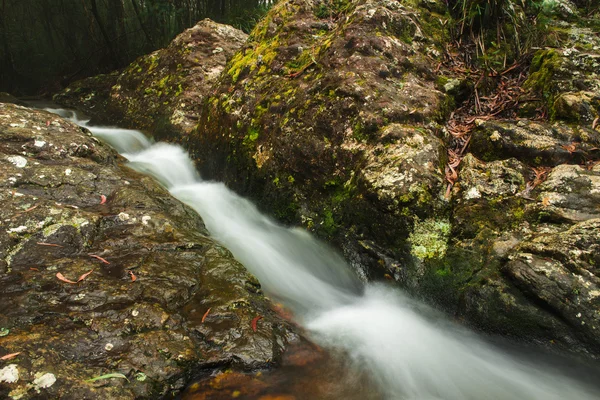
point(99, 258)
point(62, 278)
point(31, 209)
point(82, 277)
point(34, 269)
point(546, 201)
point(595, 123)
point(47, 123)
point(9, 356)
point(49, 244)
point(570, 147)
point(205, 315)
point(254, 321)
point(133, 277)
point(102, 199)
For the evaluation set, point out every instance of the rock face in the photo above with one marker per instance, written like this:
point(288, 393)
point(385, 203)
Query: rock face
point(162, 302)
point(163, 91)
point(331, 115)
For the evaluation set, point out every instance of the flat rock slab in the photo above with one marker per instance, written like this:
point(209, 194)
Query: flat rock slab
point(162, 302)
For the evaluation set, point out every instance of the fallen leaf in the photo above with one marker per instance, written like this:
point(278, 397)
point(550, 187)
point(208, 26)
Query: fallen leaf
point(254, 321)
point(205, 315)
point(108, 376)
point(133, 277)
point(9, 356)
point(102, 199)
point(595, 123)
point(31, 209)
point(61, 277)
point(49, 244)
point(570, 147)
point(99, 258)
point(546, 201)
point(47, 123)
point(34, 269)
point(82, 277)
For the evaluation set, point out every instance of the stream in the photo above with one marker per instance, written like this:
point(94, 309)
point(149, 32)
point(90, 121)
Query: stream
point(409, 351)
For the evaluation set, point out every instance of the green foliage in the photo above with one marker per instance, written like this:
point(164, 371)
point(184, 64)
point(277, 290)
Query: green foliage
point(502, 30)
point(331, 9)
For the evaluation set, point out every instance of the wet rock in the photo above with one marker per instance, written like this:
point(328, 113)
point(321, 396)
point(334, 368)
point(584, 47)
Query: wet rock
point(188, 310)
point(522, 253)
point(537, 143)
point(8, 98)
point(560, 272)
point(567, 77)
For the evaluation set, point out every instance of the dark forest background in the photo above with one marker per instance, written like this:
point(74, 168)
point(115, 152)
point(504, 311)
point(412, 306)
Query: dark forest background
point(45, 44)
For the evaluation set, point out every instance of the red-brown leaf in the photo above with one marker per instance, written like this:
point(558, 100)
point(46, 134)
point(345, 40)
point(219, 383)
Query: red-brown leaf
point(99, 258)
point(62, 278)
point(254, 321)
point(31, 209)
point(33, 269)
point(102, 199)
point(82, 277)
point(47, 123)
point(205, 315)
point(9, 356)
point(133, 277)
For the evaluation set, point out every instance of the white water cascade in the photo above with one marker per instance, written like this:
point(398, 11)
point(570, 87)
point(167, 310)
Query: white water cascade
point(409, 353)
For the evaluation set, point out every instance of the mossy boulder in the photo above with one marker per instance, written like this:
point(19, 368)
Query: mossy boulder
point(161, 92)
point(162, 300)
point(567, 77)
point(323, 110)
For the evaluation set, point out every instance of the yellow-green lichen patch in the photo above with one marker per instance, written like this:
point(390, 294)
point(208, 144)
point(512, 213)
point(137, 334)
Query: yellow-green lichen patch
point(429, 238)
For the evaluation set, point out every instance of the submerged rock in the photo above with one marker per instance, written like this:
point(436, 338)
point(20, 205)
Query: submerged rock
point(162, 302)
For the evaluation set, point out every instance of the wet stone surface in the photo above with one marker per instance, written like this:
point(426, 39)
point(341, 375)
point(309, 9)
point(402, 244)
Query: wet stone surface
point(163, 302)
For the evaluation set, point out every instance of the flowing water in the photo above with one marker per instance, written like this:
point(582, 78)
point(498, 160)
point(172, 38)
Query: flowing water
point(409, 351)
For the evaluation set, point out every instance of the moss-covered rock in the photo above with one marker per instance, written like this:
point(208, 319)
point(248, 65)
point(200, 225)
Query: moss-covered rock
point(161, 92)
point(567, 77)
point(535, 142)
point(162, 300)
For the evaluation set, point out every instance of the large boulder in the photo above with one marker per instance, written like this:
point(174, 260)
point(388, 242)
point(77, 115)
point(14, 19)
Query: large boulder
point(161, 92)
point(158, 300)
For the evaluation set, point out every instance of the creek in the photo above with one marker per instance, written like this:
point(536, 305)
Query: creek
point(408, 350)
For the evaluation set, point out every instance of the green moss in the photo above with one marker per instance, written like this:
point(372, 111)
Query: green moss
point(263, 54)
point(328, 225)
point(429, 238)
point(358, 132)
point(251, 137)
point(544, 65)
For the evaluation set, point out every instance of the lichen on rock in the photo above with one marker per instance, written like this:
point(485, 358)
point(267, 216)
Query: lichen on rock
point(58, 224)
